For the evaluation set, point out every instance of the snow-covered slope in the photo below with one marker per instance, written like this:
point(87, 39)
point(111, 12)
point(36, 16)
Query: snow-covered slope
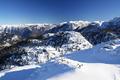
point(68, 40)
point(55, 46)
point(70, 49)
point(36, 51)
point(70, 26)
point(96, 34)
point(92, 31)
point(102, 62)
point(22, 32)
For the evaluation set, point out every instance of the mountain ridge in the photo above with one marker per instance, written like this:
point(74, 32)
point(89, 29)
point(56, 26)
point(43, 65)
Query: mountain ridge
point(58, 37)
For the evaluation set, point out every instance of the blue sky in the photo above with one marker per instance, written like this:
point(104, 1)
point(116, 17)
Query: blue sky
point(55, 11)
